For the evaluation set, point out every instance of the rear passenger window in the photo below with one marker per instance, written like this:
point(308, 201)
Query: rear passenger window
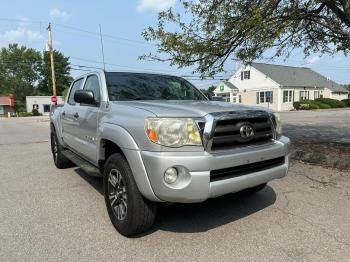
point(76, 86)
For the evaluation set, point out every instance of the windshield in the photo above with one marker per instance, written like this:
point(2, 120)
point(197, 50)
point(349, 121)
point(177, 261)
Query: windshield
point(138, 86)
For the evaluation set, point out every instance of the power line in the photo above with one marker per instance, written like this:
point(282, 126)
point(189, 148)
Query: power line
point(124, 66)
point(80, 69)
point(118, 38)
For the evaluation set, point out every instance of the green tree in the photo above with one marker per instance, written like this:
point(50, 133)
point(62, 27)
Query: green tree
point(19, 73)
point(347, 86)
point(213, 31)
point(62, 68)
point(211, 90)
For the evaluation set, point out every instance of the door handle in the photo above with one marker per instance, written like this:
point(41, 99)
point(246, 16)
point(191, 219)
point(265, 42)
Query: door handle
point(76, 115)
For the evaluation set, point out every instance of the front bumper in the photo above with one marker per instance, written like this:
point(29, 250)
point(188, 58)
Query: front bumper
point(193, 184)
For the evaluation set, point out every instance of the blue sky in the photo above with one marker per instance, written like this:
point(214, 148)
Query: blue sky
point(122, 22)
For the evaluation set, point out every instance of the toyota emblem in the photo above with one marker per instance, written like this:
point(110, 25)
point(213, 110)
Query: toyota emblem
point(246, 131)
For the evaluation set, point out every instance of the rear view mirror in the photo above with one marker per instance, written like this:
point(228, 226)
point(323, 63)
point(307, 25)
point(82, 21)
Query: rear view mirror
point(84, 97)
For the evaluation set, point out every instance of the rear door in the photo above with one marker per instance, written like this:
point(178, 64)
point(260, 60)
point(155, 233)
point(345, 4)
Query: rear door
point(69, 118)
point(88, 116)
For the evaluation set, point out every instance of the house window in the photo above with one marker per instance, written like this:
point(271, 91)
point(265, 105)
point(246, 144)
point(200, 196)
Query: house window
point(245, 75)
point(226, 96)
point(316, 94)
point(239, 98)
point(264, 97)
point(46, 108)
point(287, 96)
point(304, 95)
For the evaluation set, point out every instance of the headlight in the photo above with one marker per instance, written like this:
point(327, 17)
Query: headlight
point(173, 132)
point(276, 120)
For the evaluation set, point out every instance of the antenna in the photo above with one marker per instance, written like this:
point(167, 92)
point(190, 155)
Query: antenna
point(103, 53)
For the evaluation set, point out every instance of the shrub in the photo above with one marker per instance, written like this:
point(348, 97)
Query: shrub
point(332, 102)
point(322, 105)
point(305, 105)
point(25, 114)
point(346, 101)
point(35, 112)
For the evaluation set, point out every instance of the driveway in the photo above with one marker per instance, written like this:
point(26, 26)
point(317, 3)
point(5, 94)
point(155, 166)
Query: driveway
point(320, 125)
point(59, 215)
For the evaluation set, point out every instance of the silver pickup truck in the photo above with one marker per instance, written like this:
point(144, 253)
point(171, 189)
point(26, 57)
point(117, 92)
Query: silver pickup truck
point(156, 138)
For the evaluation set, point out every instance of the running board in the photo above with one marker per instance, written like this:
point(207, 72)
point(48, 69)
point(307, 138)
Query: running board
point(82, 163)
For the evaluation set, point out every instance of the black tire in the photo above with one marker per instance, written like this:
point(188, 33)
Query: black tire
point(255, 189)
point(129, 211)
point(59, 159)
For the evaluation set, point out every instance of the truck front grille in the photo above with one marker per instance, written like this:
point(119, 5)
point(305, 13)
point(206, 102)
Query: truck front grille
point(227, 133)
point(226, 173)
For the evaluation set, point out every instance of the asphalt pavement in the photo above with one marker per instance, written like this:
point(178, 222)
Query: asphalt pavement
point(318, 125)
point(49, 214)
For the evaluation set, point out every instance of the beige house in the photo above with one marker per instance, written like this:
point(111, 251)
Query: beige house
point(277, 86)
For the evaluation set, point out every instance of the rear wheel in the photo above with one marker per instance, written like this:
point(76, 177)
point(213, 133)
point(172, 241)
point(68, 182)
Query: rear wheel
point(59, 159)
point(129, 211)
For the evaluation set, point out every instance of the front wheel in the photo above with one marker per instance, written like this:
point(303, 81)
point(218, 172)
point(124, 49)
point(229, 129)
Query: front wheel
point(129, 211)
point(59, 159)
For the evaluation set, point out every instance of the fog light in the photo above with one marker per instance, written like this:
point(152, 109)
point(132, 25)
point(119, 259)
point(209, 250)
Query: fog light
point(170, 175)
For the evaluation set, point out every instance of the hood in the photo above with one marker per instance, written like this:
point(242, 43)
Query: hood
point(172, 108)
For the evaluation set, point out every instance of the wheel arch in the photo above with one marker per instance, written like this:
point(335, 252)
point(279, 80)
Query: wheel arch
point(115, 139)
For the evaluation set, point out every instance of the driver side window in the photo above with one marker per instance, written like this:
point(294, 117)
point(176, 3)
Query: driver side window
point(92, 83)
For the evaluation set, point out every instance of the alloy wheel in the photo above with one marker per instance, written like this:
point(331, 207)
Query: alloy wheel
point(117, 194)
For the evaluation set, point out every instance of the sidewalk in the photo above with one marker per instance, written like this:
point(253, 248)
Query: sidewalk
point(28, 118)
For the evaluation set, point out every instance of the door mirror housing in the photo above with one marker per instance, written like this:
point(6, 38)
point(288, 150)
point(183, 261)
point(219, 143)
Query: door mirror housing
point(85, 97)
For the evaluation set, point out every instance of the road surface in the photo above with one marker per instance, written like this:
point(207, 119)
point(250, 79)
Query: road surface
point(48, 214)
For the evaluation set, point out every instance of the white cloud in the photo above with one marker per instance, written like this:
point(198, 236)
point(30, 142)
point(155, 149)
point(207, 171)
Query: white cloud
point(154, 5)
point(21, 34)
point(312, 60)
point(57, 13)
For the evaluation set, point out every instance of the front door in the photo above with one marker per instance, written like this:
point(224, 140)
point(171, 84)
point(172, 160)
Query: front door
point(88, 116)
point(69, 118)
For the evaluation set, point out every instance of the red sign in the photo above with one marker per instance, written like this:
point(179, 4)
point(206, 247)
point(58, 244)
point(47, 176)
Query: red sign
point(54, 99)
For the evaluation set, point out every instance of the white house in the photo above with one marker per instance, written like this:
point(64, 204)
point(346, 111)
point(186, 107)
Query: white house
point(42, 103)
point(277, 86)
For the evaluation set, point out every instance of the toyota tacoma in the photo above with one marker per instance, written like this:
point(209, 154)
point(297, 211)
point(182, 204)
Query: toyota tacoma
point(156, 138)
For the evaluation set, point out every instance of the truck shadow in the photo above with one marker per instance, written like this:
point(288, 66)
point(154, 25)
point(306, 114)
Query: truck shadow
point(201, 217)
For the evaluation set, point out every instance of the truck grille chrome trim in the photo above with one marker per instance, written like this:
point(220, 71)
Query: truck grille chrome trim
point(227, 130)
point(226, 173)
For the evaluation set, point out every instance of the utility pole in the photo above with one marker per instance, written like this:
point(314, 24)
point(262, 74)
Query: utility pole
point(53, 76)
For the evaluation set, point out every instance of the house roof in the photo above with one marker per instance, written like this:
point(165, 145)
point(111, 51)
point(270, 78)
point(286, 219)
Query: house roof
point(229, 84)
point(297, 77)
point(4, 101)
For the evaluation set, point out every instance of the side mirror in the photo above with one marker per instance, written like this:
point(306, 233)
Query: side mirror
point(84, 97)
